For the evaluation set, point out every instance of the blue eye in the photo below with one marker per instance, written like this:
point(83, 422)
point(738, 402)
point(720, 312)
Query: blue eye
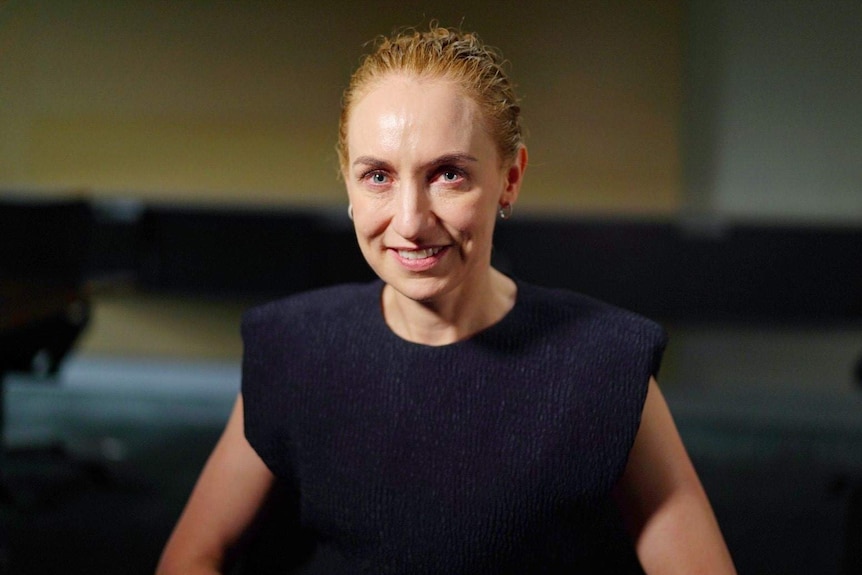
point(377, 178)
point(450, 176)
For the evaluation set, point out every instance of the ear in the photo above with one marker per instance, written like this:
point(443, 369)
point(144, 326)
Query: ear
point(514, 177)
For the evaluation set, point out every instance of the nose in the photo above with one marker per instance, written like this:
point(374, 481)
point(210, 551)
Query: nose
point(413, 212)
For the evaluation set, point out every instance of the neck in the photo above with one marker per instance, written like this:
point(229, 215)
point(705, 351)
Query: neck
point(452, 317)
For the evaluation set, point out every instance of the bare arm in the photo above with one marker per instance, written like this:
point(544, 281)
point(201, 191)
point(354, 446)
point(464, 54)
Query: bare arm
point(225, 500)
point(664, 504)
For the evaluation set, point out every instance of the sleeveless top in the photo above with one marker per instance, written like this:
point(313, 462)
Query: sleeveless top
point(495, 454)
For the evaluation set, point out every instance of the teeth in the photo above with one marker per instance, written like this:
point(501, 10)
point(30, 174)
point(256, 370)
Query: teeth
point(418, 254)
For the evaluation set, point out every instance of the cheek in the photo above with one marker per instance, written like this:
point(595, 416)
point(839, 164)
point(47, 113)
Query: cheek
point(475, 224)
point(368, 222)
point(364, 227)
point(364, 214)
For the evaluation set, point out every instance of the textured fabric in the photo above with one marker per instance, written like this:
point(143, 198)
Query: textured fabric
point(491, 455)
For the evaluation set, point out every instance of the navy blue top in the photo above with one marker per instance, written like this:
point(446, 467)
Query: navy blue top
point(494, 454)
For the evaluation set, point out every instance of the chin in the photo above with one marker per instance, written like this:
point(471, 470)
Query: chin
point(418, 289)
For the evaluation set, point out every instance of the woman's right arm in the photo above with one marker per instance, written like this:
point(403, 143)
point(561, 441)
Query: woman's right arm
point(225, 500)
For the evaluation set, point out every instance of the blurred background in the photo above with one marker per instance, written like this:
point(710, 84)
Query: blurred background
point(165, 165)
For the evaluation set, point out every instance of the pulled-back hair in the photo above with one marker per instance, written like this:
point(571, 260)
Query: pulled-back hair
point(441, 53)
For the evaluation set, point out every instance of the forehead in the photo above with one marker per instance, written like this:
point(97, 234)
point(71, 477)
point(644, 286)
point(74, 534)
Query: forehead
point(402, 111)
point(393, 85)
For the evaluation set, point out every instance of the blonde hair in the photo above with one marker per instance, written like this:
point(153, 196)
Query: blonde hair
point(446, 54)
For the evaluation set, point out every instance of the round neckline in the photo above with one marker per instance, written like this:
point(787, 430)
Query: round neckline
point(389, 333)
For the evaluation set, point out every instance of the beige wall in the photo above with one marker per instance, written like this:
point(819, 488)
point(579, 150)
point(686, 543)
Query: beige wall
point(237, 101)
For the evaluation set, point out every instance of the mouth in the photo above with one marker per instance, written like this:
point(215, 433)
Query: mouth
point(421, 259)
point(419, 254)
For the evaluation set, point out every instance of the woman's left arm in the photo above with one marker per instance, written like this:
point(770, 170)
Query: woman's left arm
point(663, 502)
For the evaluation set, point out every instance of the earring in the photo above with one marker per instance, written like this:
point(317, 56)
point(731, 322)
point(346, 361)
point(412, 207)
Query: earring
point(505, 211)
point(350, 211)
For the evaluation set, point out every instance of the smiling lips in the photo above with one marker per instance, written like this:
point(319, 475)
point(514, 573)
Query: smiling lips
point(419, 259)
point(419, 254)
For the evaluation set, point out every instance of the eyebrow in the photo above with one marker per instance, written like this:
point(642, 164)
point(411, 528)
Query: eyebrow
point(370, 161)
point(452, 159)
point(443, 160)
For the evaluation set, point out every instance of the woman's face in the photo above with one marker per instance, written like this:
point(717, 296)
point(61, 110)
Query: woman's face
point(425, 181)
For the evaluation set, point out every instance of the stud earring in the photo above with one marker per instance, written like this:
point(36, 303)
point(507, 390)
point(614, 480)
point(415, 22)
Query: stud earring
point(505, 211)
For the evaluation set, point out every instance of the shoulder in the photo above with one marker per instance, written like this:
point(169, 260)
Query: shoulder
point(586, 312)
point(300, 331)
point(331, 305)
point(309, 319)
point(581, 323)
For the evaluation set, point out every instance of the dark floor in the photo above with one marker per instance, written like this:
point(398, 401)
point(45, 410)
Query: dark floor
point(136, 447)
point(784, 472)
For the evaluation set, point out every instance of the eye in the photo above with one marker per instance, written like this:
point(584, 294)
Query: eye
point(450, 176)
point(376, 177)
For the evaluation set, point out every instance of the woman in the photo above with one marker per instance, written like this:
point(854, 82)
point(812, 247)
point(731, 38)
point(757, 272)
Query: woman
point(448, 418)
